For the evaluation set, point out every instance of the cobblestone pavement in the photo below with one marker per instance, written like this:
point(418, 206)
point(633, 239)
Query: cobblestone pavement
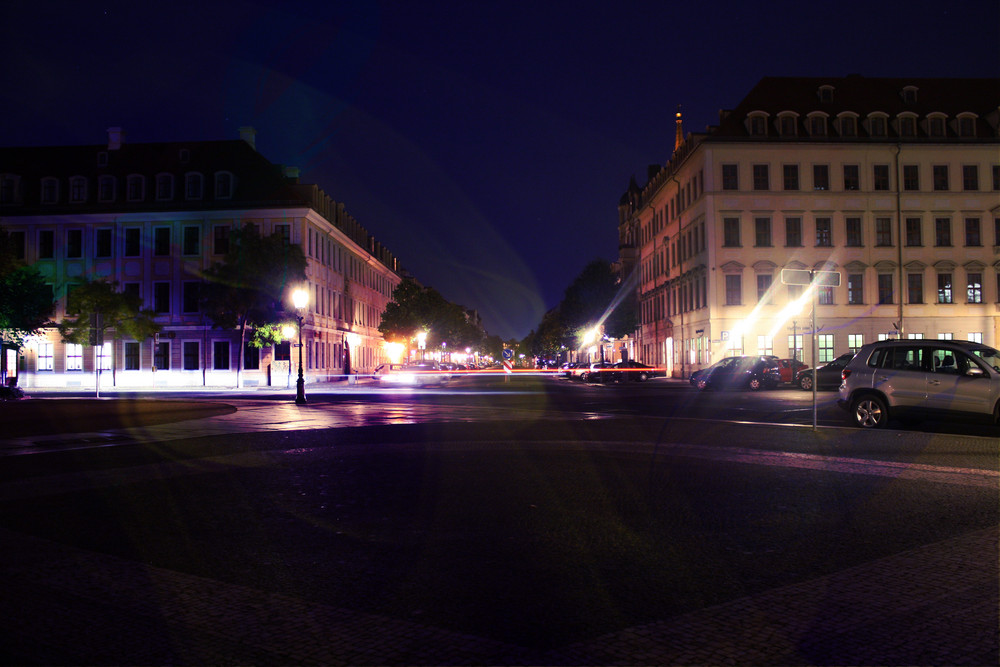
point(937, 604)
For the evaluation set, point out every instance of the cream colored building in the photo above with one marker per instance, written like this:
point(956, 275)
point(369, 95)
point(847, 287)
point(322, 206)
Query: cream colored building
point(153, 217)
point(891, 186)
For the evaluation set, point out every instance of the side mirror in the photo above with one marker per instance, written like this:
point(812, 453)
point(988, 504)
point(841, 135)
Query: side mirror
point(975, 372)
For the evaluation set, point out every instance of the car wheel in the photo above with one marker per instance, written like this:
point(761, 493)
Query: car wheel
point(755, 384)
point(643, 377)
point(806, 382)
point(869, 412)
point(702, 384)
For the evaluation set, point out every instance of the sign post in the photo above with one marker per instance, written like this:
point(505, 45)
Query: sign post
point(508, 364)
point(814, 279)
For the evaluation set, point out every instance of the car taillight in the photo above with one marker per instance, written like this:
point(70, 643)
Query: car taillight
point(844, 373)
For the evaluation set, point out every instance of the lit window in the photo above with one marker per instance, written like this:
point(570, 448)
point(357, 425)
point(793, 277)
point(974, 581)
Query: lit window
point(974, 287)
point(45, 351)
point(825, 348)
point(74, 357)
point(944, 288)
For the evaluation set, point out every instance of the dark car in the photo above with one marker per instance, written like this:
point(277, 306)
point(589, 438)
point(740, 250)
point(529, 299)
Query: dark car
point(602, 371)
point(636, 372)
point(753, 372)
point(826, 376)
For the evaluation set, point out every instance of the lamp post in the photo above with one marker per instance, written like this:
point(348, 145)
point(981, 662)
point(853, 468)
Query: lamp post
point(300, 298)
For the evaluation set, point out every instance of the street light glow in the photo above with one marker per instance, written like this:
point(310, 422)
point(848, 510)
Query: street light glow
point(300, 298)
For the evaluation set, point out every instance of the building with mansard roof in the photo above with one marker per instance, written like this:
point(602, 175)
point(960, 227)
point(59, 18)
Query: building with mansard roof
point(153, 217)
point(888, 188)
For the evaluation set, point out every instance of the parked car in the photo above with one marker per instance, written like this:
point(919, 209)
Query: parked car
point(826, 376)
point(753, 372)
point(920, 379)
point(635, 372)
point(601, 371)
point(416, 375)
point(789, 370)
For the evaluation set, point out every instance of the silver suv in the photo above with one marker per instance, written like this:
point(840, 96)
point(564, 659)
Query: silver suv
point(921, 378)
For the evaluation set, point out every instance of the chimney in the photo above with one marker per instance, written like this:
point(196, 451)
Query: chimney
point(247, 134)
point(116, 137)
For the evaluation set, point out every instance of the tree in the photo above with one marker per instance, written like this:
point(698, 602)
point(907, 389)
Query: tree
point(248, 289)
point(415, 308)
point(596, 296)
point(121, 312)
point(25, 300)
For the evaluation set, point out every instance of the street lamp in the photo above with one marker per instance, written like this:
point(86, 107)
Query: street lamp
point(300, 298)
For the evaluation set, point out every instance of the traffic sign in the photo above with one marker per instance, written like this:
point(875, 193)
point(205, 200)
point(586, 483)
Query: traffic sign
point(508, 353)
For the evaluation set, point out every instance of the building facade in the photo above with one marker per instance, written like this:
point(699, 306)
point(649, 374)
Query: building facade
point(152, 217)
point(887, 188)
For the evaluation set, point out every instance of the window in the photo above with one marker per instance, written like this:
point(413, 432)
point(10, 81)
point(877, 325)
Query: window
point(161, 241)
point(135, 187)
point(74, 357)
point(764, 281)
point(765, 345)
point(46, 244)
point(915, 287)
point(102, 243)
point(131, 356)
point(761, 181)
point(220, 355)
point(944, 288)
point(50, 191)
point(884, 288)
point(164, 187)
point(132, 291)
point(762, 232)
point(106, 188)
point(878, 126)
point(880, 177)
point(913, 232)
point(883, 231)
point(855, 288)
point(45, 352)
point(935, 126)
point(824, 344)
point(251, 357)
point(191, 297)
point(730, 177)
point(848, 126)
point(192, 241)
point(824, 232)
point(817, 126)
point(74, 243)
point(966, 127)
point(907, 126)
point(855, 341)
point(824, 295)
point(853, 228)
point(970, 177)
point(821, 177)
point(942, 231)
point(223, 185)
point(193, 186)
point(104, 356)
point(973, 237)
point(786, 126)
point(161, 356)
point(791, 176)
point(286, 235)
point(758, 126)
point(734, 290)
point(940, 176)
point(974, 287)
point(996, 177)
point(911, 177)
point(731, 232)
point(220, 244)
point(996, 231)
point(852, 177)
point(161, 297)
point(190, 350)
point(795, 346)
point(793, 232)
point(976, 337)
point(78, 189)
point(132, 241)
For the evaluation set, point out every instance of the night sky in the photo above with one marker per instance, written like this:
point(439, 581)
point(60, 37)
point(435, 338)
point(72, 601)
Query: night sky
point(486, 144)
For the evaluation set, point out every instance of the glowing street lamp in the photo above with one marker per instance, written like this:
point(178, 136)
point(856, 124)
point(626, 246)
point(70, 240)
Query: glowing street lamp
point(422, 343)
point(300, 298)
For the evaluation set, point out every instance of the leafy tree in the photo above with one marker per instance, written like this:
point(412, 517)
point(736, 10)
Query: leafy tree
point(596, 296)
point(121, 312)
point(415, 308)
point(248, 288)
point(25, 300)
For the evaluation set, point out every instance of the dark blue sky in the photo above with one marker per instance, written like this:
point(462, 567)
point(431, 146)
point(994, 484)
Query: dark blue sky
point(485, 143)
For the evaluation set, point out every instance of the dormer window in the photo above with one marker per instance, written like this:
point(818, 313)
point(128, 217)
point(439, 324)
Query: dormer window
point(185, 156)
point(135, 187)
point(78, 189)
point(966, 126)
point(817, 125)
point(757, 125)
point(102, 159)
point(878, 125)
point(787, 125)
point(50, 190)
point(193, 185)
point(164, 187)
point(106, 187)
point(906, 125)
point(825, 93)
point(909, 94)
point(223, 185)
point(936, 126)
point(848, 125)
